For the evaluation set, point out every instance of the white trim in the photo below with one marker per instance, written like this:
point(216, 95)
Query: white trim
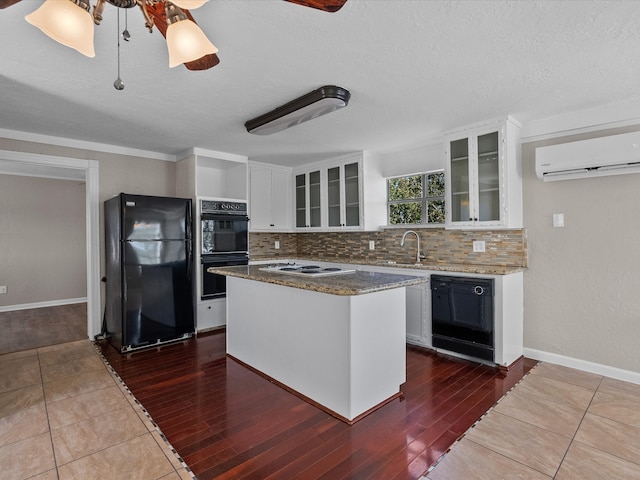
point(49, 303)
point(92, 211)
point(203, 152)
point(84, 145)
point(92, 189)
point(583, 121)
point(584, 365)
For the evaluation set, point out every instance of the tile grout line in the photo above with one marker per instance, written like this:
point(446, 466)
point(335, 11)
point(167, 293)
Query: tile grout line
point(573, 438)
point(118, 379)
point(46, 409)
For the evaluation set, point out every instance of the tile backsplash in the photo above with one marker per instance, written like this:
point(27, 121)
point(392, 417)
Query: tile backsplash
point(502, 247)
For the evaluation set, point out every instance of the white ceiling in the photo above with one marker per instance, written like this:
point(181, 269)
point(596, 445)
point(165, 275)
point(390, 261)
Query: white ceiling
point(414, 69)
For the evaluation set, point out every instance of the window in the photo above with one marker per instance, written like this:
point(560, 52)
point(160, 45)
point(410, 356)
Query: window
point(409, 197)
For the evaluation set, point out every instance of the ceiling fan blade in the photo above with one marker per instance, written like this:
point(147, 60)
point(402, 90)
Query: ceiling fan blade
point(7, 3)
point(325, 5)
point(157, 13)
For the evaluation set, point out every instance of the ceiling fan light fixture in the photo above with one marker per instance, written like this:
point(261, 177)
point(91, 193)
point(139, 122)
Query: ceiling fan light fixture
point(185, 40)
point(189, 4)
point(67, 22)
point(307, 107)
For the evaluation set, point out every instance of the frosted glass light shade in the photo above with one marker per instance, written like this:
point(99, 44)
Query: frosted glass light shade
point(66, 23)
point(189, 4)
point(186, 42)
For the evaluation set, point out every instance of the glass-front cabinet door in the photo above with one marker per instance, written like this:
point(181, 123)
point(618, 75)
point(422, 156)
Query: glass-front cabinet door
point(460, 183)
point(308, 206)
point(343, 196)
point(352, 195)
point(334, 197)
point(483, 176)
point(488, 178)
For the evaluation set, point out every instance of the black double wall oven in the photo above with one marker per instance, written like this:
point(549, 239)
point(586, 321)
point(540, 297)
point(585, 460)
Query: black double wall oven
point(225, 242)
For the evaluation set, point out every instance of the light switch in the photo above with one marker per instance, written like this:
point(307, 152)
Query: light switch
point(277, 244)
point(558, 220)
point(372, 244)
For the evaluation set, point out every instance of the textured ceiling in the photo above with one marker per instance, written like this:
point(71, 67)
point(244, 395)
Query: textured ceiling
point(414, 69)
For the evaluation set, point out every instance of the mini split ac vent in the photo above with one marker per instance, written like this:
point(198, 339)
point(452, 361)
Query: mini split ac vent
point(596, 157)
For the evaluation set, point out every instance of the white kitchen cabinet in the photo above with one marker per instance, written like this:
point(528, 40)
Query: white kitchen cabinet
point(209, 175)
point(308, 204)
point(211, 314)
point(206, 173)
point(345, 193)
point(483, 175)
point(269, 198)
point(418, 305)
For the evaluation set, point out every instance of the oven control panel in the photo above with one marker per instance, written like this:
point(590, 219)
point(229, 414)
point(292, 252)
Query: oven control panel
point(215, 206)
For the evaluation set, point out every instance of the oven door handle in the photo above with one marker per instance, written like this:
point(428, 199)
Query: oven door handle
point(222, 216)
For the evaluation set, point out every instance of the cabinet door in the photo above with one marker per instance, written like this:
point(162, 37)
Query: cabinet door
point(301, 200)
point(334, 194)
point(343, 196)
point(280, 199)
point(260, 205)
point(460, 181)
point(308, 206)
point(488, 181)
point(351, 195)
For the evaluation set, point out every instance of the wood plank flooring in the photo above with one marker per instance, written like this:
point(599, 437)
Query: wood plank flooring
point(227, 422)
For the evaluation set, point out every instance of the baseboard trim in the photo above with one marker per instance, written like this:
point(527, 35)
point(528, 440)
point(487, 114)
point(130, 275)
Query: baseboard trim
point(50, 303)
point(591, 367)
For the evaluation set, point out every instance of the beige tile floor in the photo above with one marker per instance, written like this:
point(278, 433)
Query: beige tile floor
point(64, 415)
point(557, 423)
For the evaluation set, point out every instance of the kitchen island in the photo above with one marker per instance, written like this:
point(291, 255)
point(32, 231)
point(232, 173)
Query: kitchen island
point(337, 341)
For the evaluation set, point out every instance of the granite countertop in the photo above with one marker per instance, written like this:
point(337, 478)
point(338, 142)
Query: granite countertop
point(356, 283)
point(437, 267)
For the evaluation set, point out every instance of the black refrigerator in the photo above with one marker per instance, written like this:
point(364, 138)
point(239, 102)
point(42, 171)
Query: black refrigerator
point(148, 270)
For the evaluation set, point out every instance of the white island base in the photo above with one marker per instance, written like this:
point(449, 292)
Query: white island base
point(346, 354)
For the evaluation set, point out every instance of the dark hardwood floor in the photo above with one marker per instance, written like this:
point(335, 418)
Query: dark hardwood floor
point(228, 422)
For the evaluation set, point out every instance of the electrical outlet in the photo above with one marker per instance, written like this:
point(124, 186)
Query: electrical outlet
point(372, 245)
point(478, 246)
point(3, 289)
point(277, 245)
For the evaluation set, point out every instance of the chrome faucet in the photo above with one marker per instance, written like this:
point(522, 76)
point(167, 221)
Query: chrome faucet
point(419, 255)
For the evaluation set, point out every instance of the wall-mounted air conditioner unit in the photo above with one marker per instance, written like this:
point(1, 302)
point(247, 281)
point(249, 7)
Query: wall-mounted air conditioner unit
point(612, 155)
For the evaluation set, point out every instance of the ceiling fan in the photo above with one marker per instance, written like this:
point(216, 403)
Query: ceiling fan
point(162, 14)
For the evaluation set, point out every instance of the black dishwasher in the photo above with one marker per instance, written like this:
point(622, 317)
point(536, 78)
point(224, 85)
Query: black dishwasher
point(462, 315)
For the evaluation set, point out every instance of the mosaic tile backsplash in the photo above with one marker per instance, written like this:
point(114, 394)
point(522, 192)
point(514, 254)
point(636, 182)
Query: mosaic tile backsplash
point(502, 247)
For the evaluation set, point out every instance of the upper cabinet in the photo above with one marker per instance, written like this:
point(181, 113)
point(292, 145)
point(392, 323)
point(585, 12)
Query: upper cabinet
point(308, 211)
point(483, 175)
point(345, 193)
point(207, 173)
point(269, 197)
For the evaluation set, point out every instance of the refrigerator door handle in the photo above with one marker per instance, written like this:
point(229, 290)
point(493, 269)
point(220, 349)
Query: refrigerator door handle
point(189, 249)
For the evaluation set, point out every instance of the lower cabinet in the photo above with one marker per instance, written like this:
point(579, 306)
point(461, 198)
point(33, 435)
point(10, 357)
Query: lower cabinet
point(419, 315)
point(211, 314)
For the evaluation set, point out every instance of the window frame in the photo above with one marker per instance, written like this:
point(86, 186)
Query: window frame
point(424, 200)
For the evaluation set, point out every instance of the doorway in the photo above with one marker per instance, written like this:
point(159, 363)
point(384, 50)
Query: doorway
point(46, 166)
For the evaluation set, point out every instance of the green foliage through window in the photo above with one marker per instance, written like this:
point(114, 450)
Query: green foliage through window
point(411, 196)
